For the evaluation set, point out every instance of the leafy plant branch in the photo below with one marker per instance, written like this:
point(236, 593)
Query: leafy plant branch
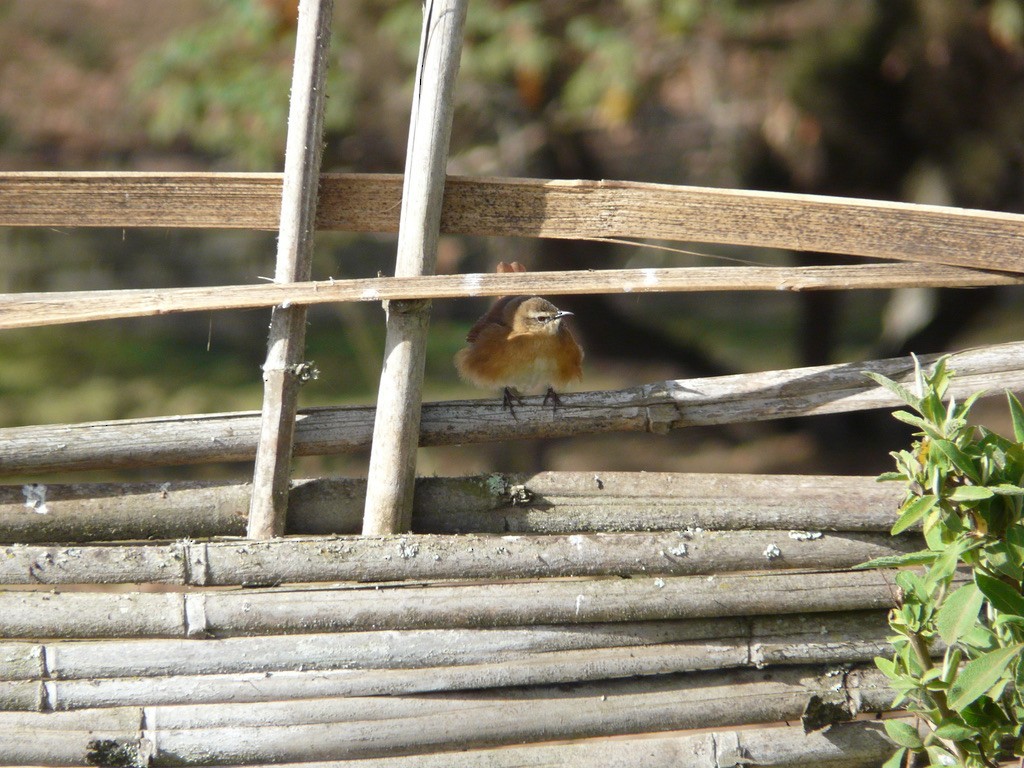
point(964, 489)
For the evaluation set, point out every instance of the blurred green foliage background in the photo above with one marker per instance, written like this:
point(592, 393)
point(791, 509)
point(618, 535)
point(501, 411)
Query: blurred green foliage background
point(915, 100)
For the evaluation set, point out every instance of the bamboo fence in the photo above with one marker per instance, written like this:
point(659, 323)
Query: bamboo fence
point(517, 619)
point(374, 727)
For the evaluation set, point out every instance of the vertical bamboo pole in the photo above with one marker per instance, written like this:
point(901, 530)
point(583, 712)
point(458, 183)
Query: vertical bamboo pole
point(396, 428)
point(284, 370)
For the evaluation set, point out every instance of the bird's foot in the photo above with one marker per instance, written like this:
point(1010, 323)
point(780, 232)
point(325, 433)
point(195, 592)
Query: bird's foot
point(510, 400)
point(551, 395)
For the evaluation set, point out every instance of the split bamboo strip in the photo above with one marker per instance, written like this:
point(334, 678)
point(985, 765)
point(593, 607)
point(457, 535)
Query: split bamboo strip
point(30, 614)
point(226, 733)
point(546, 502)
point(422, 557)
point(858, 744)
point(649, 408)
point(284, 369)
point(530, 208)
point(796, 638)
point(392, 469)
point(26, 310)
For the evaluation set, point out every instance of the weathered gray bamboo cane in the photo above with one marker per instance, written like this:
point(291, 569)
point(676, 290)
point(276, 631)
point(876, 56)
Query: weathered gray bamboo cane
point(285, 370)
point(426, 557)
point(392, 469)
point(655, 408)
point(330, 729)
point(33, 614)
point(421, 666)
point(545, 502)
point(765, 640)
point(857, 744)
point(848, 745)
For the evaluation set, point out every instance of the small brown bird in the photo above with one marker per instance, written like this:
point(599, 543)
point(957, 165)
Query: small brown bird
point(521, 345)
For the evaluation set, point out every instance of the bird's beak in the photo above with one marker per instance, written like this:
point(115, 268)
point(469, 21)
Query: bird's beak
point(563, 313)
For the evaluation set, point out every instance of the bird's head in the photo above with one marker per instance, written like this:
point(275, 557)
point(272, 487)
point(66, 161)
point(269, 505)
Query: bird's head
point(537, 316)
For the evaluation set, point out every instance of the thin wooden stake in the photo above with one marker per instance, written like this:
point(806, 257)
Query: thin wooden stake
point(392, 469)
point(284, 369)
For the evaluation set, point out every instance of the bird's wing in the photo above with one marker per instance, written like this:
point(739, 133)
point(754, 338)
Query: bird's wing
point(494, 316)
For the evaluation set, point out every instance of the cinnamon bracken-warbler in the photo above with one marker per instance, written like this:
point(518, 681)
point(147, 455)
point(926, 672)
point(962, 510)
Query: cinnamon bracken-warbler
point(521, 345)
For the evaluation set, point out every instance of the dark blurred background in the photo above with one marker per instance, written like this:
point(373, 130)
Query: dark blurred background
point(914, 100)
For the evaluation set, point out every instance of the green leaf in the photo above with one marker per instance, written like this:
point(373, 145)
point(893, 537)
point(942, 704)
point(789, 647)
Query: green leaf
point(1015, 542)
point(960, 460)
point(913, 511)
point(916, 421)
point(903, 733)
point(921, 557)
point(896, 761)
point(940, 378)
point(944, 566)
point(1005, 619)
point(959, 613)
point(965, 493)
point(939, 755)
point(935, 536)
point(979, 675)
point(1007, 489)
point(1002, 558)
point(980, 637)
point(911, 583)
point(1017, 415)
point(1002, 596)
point(969, 403)
point(897, 389)
point(955, 732)
point(951, 663)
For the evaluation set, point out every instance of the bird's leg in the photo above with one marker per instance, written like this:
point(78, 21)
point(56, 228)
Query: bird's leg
point(506, 402)
point(551, 395)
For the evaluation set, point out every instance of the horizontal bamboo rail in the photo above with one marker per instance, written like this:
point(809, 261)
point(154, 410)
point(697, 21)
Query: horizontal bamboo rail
point(34, 614)
point(420, 557)
point(529, 208)
point(758, 640)
point(858, 744)
point(331, 728)
point(841, 642)
point(650, 408)
point(848, 745)
point(25, 310)
point(546, 502)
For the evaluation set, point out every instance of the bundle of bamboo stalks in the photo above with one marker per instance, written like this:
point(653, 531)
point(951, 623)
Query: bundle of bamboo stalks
point(442, 648)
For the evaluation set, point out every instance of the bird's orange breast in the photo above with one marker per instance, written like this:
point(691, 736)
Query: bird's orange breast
point(498, 358)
